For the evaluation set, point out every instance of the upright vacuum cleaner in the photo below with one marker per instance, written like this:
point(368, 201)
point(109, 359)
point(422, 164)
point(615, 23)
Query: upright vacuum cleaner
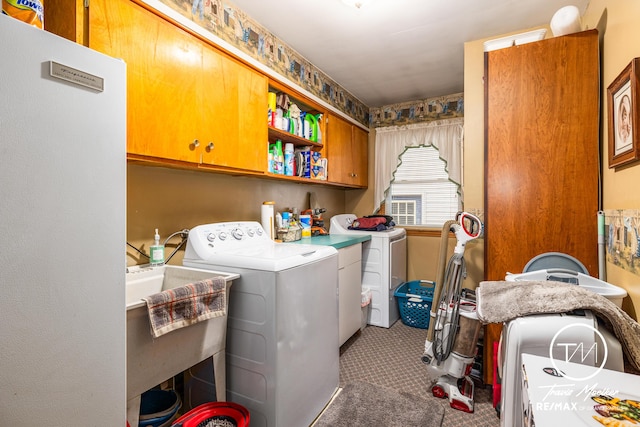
point(454, 327)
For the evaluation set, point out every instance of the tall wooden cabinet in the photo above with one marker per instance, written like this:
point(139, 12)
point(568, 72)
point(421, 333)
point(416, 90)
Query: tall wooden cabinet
point(541, 156)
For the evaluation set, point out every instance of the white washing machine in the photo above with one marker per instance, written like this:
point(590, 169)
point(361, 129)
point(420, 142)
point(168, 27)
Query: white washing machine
point(535, 335)
point(282, 328)
point(384, 267)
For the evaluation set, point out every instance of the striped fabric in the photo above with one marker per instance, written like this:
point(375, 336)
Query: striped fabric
point(185, 305)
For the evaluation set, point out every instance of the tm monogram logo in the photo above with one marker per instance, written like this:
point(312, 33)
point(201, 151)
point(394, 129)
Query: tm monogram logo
point(576, 351)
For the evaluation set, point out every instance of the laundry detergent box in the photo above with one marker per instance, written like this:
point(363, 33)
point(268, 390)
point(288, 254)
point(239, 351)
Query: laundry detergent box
point(319, 170)
point(316, 159)
point(303, 162)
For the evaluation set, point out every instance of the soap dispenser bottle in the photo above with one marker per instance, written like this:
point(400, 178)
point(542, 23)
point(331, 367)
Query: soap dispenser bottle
point(156, 251)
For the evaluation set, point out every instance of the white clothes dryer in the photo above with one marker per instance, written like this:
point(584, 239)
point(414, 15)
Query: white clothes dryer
point(282, 328)
point(384, 267)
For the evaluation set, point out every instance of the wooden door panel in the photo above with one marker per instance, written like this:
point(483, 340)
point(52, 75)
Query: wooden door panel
point(215, 100)
point(541, 157)
point(233, 101)
point(361, 154)
point(339, 150)
point(542, 153)
point(252, 117)
point(162, 61)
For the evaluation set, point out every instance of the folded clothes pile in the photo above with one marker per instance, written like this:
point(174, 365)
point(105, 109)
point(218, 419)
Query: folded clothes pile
point(373, 223)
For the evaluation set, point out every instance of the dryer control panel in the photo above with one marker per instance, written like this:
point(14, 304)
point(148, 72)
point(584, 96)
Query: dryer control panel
point(224, 237)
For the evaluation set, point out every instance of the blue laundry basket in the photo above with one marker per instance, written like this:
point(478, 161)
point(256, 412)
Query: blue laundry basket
point(414, 302)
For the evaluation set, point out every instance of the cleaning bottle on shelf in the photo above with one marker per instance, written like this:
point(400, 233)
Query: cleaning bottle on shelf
point(285, 121)
point(270, 158)
point(156, 251)
point(288, 159)
point(311, 127)
point(271, 116)
point(303, 125)
point(278, 158)
point(318, 127)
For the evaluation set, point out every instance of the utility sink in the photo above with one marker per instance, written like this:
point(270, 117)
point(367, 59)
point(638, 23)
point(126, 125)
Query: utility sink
point(151, 361)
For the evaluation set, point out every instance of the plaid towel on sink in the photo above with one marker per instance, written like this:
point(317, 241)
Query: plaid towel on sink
point(185, 305)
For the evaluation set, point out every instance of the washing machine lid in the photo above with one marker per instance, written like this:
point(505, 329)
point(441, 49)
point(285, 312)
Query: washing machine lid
point(269, 257)
point(339, 224)
point(246, 245)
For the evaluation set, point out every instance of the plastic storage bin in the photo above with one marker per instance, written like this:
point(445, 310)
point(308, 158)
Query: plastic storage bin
point(158, 408)
point(414, 302)
point(612, 292)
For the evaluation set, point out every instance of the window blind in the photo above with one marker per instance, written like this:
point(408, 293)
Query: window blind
point(422, 182)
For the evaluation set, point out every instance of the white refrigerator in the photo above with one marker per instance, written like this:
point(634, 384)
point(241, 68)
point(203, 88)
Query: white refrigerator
point(62, 232)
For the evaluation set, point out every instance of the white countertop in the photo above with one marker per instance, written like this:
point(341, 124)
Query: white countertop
point(562, 401)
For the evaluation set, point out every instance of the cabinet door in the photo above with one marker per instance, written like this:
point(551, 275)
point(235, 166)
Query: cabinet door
point(541, 156)
point(253, 132)
point(349, 291)
point(361, 161)
point(233, 104)
point(163, 67)
point(542, 152)
point(346, 153)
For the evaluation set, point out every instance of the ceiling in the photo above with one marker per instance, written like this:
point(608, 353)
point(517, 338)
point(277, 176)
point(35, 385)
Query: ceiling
point(394, 51)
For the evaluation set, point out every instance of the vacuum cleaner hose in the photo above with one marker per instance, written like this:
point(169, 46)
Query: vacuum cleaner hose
point(448, 319)
point(442, 262)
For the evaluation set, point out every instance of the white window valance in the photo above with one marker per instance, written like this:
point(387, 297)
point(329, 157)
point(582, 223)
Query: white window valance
point(444, 135)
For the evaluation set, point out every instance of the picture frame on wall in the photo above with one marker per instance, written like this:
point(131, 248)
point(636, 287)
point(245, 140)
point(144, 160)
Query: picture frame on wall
point(622, 116)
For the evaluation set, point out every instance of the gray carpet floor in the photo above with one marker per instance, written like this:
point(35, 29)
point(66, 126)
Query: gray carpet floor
point(391, 358)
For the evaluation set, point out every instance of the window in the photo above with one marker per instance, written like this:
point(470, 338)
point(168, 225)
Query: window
point(404, 211)
point(421, 193)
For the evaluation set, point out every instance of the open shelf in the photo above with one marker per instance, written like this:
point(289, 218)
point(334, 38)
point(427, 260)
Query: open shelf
point(275, 133)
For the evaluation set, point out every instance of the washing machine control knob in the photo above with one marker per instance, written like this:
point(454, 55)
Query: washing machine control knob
point(237, 233)
point(250, 232)
point(259, 231)
point(211, 237)
point(222, 236)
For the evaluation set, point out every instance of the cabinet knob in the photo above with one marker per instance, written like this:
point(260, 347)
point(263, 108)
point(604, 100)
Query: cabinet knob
point(195, 143)
point(209, 146)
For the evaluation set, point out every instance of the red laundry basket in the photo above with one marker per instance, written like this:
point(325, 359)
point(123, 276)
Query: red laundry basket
point(214, 414)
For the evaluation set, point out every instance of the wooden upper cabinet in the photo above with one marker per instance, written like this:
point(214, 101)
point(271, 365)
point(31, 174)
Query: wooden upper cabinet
point(347, 153)
point(187, 101)
point(190, 104)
